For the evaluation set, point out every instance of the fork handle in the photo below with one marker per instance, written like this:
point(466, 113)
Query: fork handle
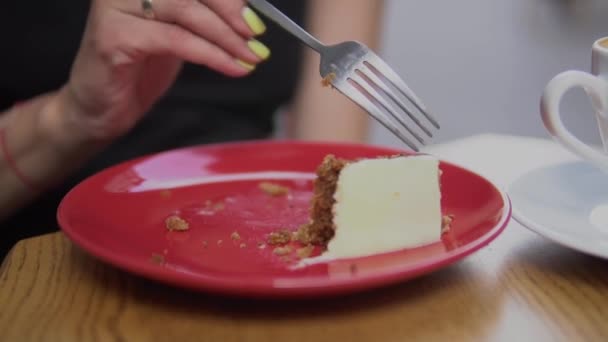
point(287, 24)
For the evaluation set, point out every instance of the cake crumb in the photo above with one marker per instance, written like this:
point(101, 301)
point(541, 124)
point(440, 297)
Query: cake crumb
point(327, 80)
point(176, 223)
point(282, 251)
point(261, 245)
point(210, 208)
point(157, 259)
point(286, 259)
point(219, 242)
point(243, 245)
point(274, 189)
point(302, 235)
point(235, 236)
point(446, 223)
point(279, 238)
point(305, 252)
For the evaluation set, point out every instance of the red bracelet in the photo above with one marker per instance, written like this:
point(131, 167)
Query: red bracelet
point(13, 165)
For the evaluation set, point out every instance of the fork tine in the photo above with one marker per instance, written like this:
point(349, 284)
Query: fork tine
point(381, 69)
point(356, 95)
point(380, 101)
point(376, 82)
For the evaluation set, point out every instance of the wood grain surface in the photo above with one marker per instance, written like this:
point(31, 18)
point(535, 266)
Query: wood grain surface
point(520, 288)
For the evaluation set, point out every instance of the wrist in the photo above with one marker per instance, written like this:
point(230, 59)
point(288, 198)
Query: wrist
point(41, 144)
point(60, 122)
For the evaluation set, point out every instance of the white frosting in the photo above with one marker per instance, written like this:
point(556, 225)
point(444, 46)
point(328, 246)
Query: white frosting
point(384, 205)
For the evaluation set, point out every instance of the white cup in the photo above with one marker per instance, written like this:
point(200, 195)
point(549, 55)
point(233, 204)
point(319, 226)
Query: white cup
point(596, 87)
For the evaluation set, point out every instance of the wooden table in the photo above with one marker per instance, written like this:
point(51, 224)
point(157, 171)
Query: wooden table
point(521, 287)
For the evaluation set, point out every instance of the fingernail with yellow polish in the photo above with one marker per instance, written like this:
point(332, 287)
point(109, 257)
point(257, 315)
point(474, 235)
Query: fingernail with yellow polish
point(253, 21)
point(260, 50)
point(249, 67)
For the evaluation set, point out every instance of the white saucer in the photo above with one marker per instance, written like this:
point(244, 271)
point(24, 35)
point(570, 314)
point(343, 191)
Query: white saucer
point(566, 203)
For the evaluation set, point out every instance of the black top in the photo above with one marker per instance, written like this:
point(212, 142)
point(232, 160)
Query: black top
point(40, 41)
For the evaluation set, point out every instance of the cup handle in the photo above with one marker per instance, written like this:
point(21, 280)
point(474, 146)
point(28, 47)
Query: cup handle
point(596, 89)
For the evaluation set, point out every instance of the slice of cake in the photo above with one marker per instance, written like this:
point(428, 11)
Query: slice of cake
point(372, 206)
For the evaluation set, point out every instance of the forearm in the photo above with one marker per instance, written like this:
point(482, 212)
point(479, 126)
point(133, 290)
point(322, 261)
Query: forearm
point(43, 147)
point(318, 112)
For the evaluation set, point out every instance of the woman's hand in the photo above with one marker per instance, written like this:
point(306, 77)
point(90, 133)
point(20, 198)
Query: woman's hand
point(126, 61)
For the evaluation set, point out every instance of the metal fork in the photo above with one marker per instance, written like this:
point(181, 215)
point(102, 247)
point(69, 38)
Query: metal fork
point(358, 73)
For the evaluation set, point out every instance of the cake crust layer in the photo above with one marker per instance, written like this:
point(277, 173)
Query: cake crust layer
point(321, 228)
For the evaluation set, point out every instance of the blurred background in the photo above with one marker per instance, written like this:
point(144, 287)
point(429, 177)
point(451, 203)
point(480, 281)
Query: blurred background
point(481, 65)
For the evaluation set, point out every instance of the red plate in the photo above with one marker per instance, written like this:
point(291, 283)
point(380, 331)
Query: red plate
point(118, 215)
